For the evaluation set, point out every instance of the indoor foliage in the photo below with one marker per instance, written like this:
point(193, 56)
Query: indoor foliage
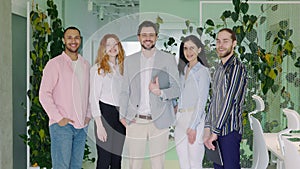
point(264, 65)
point(47, 31)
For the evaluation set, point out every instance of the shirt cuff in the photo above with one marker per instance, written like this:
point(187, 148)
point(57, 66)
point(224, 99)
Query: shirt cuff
point(161, 94)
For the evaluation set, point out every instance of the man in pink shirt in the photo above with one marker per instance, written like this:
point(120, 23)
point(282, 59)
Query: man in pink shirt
point(64, 94)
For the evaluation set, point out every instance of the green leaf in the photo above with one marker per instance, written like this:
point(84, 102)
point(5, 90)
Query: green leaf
point(294, 56)
point(253, 47)
point(272, 74)
point(49, 3)
point(223, 18)
point(41, 52)
point(191, 29)
point(262, 8)
point(283, 24)
point(252, 35)
point(288, 45)
point(244, 7)
point(236, 2)
point(184, 31)
point(253, 18)
point(267, 85)
point(294, 139)
point(33, 56)
point(275, 88)
point(281, 34)
point(262, 20)
point(209, 30)
point(199, 31)
point(171, 41)
point(226, 14)
point(268, 35)
point(274, 8)
point(210, 22)
point(240, 33)
point(237, 9)
point(42, 134)
point(248, 56)
point(241, 49)
point(297, 64)
point(159, 20)
point(207, 42)
point(187, 23)
point(288, 33)
point(234, 16)
point(245, 19)
point(276, 41)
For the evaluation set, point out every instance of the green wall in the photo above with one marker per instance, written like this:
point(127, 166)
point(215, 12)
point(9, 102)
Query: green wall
point(19, 89)
point(187, 9)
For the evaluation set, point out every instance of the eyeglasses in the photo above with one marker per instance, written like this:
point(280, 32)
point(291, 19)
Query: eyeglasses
point(145, 35)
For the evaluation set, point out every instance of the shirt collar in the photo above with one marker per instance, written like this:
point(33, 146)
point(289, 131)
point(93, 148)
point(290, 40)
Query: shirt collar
point(230, 61)
point(194, 68)
point(68, 59)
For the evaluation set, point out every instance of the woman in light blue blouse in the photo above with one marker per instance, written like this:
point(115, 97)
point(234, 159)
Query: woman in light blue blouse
point(195, 82)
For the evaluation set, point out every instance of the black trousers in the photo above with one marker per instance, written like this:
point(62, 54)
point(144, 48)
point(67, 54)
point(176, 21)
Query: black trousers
point(109, 152)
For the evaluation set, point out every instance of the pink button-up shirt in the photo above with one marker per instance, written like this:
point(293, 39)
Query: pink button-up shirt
point(60, 91)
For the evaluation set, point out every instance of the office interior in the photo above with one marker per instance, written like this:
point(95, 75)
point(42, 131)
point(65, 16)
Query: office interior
point(95, 17)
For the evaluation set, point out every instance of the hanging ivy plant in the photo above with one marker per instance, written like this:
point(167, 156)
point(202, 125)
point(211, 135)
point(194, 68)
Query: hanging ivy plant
point(47, 31)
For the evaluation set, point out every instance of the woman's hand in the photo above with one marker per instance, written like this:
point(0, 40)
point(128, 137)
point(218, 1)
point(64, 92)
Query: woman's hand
point(191, 135)
point(101, 133)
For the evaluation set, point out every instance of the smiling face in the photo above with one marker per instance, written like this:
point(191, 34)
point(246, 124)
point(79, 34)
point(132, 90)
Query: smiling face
point(112, 48)
point(72, 41)
point(225, 45)
point(147, 38)
point(191, 51)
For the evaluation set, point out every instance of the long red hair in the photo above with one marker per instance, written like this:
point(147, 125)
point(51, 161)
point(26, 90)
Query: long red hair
point(102, 57)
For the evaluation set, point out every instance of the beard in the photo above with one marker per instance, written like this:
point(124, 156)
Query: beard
point(72, 50)
point(227, 53)
point(148, 48)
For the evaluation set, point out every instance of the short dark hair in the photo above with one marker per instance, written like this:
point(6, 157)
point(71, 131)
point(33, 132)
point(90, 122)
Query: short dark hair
point(147, 24)
point(233, 35)
point(72, 27)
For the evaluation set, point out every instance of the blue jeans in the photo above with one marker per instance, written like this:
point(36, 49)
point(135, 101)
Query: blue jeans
point(67, 146)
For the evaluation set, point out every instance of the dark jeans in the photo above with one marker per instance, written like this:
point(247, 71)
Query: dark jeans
point(230, 149)
point(109, 152)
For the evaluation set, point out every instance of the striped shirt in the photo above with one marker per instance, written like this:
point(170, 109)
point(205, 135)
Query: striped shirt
point(229, 90)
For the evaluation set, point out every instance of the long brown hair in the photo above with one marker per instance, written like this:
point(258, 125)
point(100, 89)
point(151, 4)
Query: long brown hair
point(103, 57)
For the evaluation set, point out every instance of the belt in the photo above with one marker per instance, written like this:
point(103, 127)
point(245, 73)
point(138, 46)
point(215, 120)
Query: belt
point(144, 117)
point(191, 109)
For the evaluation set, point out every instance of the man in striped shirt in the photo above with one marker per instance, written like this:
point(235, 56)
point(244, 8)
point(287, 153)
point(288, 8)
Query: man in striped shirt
point(224, 119)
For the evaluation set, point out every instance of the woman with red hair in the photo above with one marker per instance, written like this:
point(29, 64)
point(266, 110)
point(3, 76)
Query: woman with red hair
point(105, 77)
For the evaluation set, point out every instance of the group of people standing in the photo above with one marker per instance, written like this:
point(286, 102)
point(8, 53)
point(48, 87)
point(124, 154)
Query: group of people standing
point(138, 97)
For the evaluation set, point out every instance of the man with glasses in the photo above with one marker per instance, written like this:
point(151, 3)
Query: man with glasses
point(64, 95)
point(146, 110)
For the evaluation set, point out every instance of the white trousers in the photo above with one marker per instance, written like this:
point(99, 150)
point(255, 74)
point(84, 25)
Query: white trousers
point(140, 133)
point(190, 155)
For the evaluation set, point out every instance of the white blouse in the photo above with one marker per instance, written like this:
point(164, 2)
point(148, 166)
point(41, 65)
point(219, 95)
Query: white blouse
point(104, 88)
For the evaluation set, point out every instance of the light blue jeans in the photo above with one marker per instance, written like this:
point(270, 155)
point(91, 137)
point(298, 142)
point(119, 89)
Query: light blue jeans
point(67, 146)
